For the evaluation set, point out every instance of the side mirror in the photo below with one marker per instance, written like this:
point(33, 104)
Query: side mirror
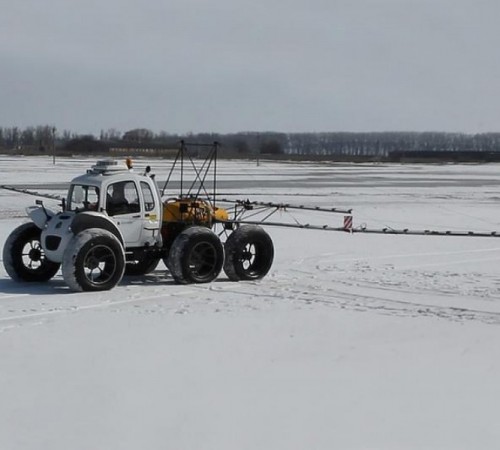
point(40, 203)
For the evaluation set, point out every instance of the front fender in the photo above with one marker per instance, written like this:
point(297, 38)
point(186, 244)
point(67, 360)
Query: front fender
point(91, 219)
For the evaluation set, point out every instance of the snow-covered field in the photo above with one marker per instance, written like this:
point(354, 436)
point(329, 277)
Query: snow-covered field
point(351, 342)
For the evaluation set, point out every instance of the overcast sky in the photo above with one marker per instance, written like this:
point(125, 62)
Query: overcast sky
point(241, 65)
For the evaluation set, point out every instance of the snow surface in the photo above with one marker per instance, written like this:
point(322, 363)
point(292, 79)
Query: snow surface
point(351, 342)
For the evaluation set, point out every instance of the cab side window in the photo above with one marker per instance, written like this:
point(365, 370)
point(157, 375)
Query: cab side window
point(122, 198)
point(149, 200)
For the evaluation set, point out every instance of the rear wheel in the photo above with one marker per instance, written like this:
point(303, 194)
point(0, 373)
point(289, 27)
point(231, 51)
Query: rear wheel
point(24, 258)
point(93, 261)
point(249, 253)
point(196, 256)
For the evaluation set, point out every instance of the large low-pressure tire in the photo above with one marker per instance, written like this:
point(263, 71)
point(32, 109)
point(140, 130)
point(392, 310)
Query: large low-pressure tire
point(24, 258)
point(94, 260)
point(196, 256)
point(143, 265)
point(249, 253)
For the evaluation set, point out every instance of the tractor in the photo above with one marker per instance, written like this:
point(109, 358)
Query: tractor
point(114, 221)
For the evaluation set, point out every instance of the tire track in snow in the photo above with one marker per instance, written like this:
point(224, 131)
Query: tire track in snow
point(21, 318)
point(363, 303)
point(404, 278)
point(333, 257)
point(6, 296)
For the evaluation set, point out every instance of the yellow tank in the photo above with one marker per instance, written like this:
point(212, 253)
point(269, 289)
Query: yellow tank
point(198, 212)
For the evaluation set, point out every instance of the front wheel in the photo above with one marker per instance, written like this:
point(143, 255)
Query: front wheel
point(196, 256)
point(93, 261)
point(24, 258)
point(249, 253)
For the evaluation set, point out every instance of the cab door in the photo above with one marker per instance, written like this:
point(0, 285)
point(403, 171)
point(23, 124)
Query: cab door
point(152, 213)
point(124, 206)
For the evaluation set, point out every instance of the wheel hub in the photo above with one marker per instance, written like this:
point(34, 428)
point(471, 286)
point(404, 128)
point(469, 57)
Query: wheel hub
point(203, 259)
point(35, 254)
point(92, 263)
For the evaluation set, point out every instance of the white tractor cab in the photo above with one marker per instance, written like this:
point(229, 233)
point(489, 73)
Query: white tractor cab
point(113, 223)
point(127, 201)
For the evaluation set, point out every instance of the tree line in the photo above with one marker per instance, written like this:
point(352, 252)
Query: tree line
point(45, 138)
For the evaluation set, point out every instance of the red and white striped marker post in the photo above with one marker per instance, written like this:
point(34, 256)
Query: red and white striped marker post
point(348, 223)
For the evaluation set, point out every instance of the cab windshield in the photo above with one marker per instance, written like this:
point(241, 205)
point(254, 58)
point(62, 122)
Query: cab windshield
point(83, 198)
